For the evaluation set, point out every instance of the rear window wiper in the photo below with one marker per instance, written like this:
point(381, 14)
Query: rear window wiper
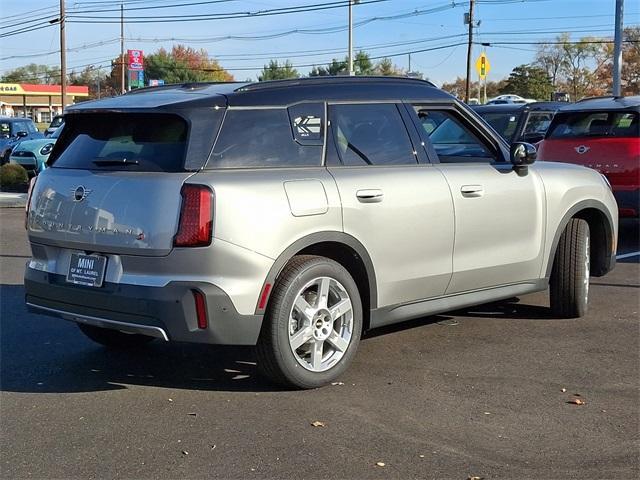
point(115, 161)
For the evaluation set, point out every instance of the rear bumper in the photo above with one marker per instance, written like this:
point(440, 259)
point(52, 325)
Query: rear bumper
point(628, 202)
point(166, 312)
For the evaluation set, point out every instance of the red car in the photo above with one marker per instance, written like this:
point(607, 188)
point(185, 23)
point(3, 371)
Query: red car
point(603, 134)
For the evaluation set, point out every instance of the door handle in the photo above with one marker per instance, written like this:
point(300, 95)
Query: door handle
point(472, 191)
point(372, 195)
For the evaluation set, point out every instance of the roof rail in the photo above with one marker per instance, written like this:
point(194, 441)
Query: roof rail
point(185, 86)
point(599, 97)
point(333, 79)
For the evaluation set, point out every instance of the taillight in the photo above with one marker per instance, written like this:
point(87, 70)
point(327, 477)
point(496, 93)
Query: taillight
point(196, 217)
point(201, 309)
point(32, 183)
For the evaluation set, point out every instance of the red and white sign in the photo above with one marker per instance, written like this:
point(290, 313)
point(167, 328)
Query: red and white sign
point(136, 59)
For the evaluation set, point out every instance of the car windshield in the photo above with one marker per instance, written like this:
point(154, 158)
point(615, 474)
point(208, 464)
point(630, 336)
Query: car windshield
point(594, 124)
point(504, 123)
point(5, 130)
point(57, 121)
point(57, 133)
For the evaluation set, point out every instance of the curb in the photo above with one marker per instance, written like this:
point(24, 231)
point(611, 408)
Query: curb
point(13, 200)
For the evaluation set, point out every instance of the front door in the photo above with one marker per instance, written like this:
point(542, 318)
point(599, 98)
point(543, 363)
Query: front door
point(499, 213)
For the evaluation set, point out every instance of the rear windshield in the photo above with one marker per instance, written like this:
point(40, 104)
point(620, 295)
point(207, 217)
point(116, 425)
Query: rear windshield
point(594, 124)
point(122, 141)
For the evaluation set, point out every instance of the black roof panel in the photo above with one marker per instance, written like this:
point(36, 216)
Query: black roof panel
point(271, 93)
point(604, 103)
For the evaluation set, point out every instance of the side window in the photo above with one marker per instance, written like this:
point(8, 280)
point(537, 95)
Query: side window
point(371, 134)
point(255, 138)
point(30, 127)
point(453, 141)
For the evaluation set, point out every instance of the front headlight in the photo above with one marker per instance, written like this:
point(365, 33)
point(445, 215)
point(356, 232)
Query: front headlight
point(46, 150)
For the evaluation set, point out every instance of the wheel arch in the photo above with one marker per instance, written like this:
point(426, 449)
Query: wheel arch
point(602, 231)
point(344, 249)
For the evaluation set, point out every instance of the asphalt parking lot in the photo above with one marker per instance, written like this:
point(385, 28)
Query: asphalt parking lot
point(484, 392)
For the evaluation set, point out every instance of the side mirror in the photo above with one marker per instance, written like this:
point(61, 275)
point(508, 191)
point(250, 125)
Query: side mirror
point(21, 134)
point(523, 154)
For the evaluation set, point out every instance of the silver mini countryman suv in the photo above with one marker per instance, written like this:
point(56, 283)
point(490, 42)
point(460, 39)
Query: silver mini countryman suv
point(294, 215)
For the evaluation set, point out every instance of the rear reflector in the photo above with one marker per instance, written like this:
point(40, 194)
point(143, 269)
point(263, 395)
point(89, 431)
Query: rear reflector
point(196, 222)
point(32, 183)
point(265, 296)
point(201, 308)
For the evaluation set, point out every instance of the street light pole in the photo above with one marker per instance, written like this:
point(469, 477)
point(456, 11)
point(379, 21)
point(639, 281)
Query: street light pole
point(63, 58)
point(617, 50)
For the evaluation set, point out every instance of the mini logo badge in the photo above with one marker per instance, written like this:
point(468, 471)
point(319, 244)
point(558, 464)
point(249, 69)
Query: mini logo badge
point(582, 149)
point(80, 193)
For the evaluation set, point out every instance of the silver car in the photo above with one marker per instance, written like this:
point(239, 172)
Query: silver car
point(295, 215)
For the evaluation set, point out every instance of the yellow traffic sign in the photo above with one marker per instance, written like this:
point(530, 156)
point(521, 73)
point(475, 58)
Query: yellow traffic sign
point(483, 66)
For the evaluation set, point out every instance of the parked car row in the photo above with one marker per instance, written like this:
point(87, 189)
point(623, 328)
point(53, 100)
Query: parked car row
point(599, 133)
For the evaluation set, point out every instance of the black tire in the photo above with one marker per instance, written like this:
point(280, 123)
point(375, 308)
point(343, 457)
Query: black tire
point(276, 358)
point(114, 338)
point(569, 282)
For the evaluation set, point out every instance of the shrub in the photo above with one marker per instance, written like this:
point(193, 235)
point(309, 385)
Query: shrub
point(13, 175)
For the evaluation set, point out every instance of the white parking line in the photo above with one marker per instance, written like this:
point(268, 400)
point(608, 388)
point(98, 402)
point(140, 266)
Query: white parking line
point(627, 255)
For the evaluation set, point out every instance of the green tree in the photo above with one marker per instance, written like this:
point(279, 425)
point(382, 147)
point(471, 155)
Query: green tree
point(362, 65)
point(33, 73)
point(530, 82)
point(276, 71)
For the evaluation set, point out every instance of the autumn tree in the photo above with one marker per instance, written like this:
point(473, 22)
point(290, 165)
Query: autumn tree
point(387, 68)
point(183, 65)
point(277, 71)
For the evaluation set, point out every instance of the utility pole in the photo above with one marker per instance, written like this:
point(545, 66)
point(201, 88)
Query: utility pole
point(350, 38)
point(122, 88)
point(617, 50)
point(467, 84)
point(63, 58)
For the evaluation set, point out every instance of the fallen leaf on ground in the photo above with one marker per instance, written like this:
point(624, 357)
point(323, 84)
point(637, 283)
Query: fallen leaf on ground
point(563, 390)
point(421, 456)
point(171, 399)
point(192, 414)
point(318, 424)
point(337, 383)
point(380, 464)
point(475, 478)
point(577, 401)
point(184, 452)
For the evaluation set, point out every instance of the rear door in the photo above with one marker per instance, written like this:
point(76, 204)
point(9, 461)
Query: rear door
point(399, 209)
point(499, 214)
point(114, 184)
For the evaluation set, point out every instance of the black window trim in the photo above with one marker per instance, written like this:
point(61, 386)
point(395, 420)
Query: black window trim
point(496, 144)
point(399, 107)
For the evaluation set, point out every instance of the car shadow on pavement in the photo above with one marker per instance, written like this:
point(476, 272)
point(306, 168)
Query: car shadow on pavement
point(508, 309)
point(40, 354)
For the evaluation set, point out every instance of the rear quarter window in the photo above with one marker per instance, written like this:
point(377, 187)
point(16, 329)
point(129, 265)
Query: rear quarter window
point(122, 141)
point(273, 137)
point(594, 124)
